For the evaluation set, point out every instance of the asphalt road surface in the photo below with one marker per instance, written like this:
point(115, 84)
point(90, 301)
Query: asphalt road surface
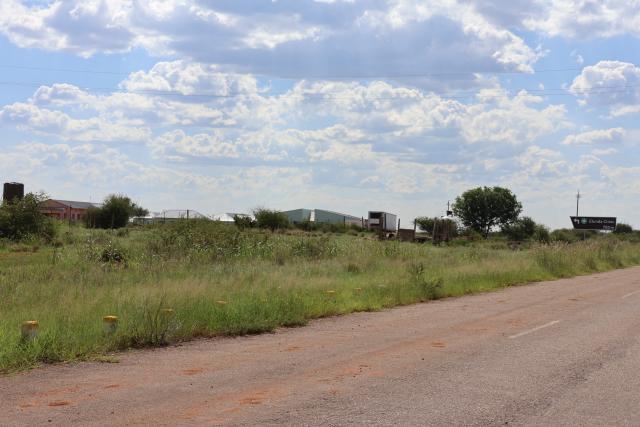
point(555, 353)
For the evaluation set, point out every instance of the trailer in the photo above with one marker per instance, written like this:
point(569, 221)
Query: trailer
point(384, 223)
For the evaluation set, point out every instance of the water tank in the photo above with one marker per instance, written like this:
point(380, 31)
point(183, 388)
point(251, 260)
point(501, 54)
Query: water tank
point(13, 190)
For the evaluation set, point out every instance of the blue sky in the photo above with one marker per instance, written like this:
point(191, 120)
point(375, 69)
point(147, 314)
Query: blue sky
point(396, 105)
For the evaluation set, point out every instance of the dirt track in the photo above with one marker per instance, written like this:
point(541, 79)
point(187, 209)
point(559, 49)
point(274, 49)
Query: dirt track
point(553, 353)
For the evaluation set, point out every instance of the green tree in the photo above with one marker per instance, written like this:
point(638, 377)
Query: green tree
point(273, 220)
point(114, 212)
point(21, 218)
point(483, 208)
point(425, 223)
point(139, 210)
point(521, 229)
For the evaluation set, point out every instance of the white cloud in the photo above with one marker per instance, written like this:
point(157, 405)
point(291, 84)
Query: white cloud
point(364, 125)
point(585, 18)
point(274, 38)
point(537, 162)
point(599, 136)
point(179, 145)
point(30, 117)
point(190, 78)
point(513, 120)
point(577, 57)
point(613, 84)
point(84, 27)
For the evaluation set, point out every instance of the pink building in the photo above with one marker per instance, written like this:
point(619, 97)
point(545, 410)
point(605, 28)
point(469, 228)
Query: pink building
point(65, 209)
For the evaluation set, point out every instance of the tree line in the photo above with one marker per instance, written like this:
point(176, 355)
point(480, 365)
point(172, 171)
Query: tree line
point(480, 210)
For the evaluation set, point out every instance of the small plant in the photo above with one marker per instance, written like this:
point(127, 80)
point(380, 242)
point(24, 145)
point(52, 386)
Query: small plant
point(417, 270)
point(112, 254)
point(430, 287)
point(153, 327)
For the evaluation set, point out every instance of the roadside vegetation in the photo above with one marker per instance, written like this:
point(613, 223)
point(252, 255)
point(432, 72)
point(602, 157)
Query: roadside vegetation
point(194, 278)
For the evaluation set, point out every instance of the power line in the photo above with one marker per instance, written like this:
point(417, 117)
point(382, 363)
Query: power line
point(316, 76)
point(64, 70)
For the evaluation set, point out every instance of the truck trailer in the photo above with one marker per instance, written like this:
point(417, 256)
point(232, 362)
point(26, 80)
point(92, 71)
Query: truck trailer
point(384, 223)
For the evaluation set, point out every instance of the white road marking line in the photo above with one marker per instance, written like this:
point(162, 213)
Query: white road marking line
point(630, 294)
point(546, 325)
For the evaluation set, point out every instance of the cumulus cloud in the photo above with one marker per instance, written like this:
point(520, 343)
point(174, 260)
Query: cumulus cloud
point(28, 116)
point(190, 78)
point(179, 145)
point(303, 38)
point(599, 136)
point(84, 27)
point(612, 84)
point(379, 115)
point(584, 18)
point(310, 140)
point(102, 170)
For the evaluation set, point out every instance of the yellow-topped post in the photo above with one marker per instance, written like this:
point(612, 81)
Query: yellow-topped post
point(110, 324)
point(29, 330)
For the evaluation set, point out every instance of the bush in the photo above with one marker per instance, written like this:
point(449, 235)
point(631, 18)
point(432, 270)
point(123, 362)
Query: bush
point(570, 236)
point(114, 212)
point(244, 221)
point(521, 229)
point(21, 219)
point(270, 219)
point(541, 234)
point(622, 228)
point(112, 254)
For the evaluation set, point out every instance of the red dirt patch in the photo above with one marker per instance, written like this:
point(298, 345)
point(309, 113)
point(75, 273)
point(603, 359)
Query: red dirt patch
point(59, 403)
point(251, 401)
point(193, 371)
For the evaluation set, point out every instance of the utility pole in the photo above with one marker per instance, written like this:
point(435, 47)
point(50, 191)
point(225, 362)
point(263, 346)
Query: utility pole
point(578, 203)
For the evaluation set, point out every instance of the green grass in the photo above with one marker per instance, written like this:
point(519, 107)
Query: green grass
point(265, 281)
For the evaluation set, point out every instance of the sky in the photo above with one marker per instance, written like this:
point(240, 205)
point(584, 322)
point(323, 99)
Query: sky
point(346, 105)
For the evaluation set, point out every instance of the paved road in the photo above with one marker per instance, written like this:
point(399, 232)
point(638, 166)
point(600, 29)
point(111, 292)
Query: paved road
point(554, 353)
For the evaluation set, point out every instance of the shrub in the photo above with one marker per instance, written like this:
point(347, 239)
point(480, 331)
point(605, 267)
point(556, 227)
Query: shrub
point(114, 212)
point(430, 287)
point(570, 236)
point(112, 254)
point(521, 229)
point(270, 219)
point(244, 221)
point(541, 234)
point(21, 219)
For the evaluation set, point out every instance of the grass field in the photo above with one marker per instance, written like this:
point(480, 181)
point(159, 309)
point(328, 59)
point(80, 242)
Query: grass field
point(219, 281)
